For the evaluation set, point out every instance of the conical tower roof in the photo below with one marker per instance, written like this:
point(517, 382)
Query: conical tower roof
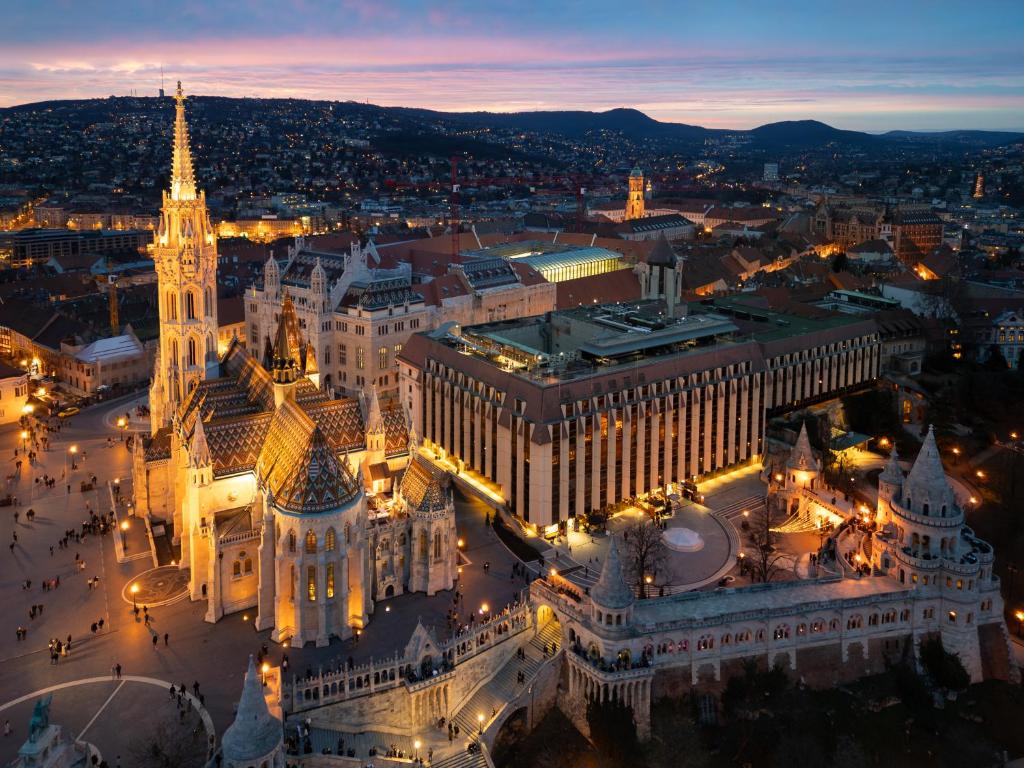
point(662, 254)
point(255, 733)
point(926, 481)
point(802, 455)
point(611, 590)
point(183, 180)
point(374, 414)
point(892, 472)
point(199, 450)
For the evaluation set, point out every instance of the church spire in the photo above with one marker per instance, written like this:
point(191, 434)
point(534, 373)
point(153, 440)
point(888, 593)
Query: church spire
point(183, 180)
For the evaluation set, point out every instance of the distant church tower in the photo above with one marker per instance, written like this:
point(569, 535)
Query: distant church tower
point(635, 201)
point(185, 252)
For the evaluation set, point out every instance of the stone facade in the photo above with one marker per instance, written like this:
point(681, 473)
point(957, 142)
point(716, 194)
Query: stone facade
point(262, 476)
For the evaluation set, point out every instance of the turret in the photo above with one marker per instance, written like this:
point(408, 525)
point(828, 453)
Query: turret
point(611, 597)
point(802, 467)
point(256, 736)
point(318, 286)
point(890, 486)
point(271, 277)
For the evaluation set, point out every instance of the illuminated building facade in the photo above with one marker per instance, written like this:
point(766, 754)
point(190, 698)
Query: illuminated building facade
point(578, 410)
point(635, 201)
point(185, 255)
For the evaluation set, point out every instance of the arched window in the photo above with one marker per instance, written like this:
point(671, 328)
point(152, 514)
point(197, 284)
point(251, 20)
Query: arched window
point(437, 545)
point(311, 583)
point(291, 541)
point(348, 533)
point(329, 540)
point(208, 303)
point(191, 351)
point(330, 580)
point(172, 305)
point(248, 565)
point(423, 543)
point(236, 568)
point(310, 542)
point(190, 305)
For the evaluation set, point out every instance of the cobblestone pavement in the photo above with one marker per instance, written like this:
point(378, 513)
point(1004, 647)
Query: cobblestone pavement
point(213, 654)
point(157, 587)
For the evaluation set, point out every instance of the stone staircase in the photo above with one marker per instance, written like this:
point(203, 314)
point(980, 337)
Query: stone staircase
point(462, 760)
point(326, 738)
point(490, 697)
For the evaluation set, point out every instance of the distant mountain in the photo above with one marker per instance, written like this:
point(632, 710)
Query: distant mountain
point(629, 123)
point(576, 123)
point(991, 138)
point(806, 133)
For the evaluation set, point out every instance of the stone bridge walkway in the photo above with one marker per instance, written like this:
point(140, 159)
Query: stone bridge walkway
point(488, 700)
point(491, 697)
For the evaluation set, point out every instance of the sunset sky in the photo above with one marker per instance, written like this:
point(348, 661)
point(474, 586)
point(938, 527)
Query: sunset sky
point(862, 65)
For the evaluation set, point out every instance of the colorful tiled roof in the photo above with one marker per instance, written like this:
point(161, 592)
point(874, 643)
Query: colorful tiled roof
point(424, 486)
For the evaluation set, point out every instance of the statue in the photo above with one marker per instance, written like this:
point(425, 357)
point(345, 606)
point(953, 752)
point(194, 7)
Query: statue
point(40, 718)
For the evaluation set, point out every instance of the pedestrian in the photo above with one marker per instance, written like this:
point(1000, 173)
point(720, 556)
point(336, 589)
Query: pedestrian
point(100, 622)
point(7, 727)
point(167, 639)
point(155, 638)
point(118, 677)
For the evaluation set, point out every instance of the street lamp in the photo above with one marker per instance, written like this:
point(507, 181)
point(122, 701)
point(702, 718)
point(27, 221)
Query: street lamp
point(264, 669)
point(122, 424)
point(124, 537)
point(980, 474)
point(480, 724)
point(134, 589)
point(1019, 616)
point(416, 745)
point(24, 439)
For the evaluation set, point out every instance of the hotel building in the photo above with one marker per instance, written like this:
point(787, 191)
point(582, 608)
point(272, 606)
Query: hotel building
point(572, 411)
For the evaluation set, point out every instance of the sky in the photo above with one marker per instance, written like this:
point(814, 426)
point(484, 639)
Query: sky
point(865, 65)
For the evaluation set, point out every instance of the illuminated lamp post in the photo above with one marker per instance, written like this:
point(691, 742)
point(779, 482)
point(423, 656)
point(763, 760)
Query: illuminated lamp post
point(134, 589)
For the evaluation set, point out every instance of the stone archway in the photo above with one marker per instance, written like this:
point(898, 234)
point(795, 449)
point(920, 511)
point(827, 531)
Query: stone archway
point(547, 623)
point(515, 728)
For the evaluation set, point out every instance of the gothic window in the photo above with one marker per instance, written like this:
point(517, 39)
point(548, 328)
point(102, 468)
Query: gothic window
point(248, 565)
point(291, 582)
point(310, 542)
point(311, 583)
point(191, 351)
point(291, 541)
point(172, 305)
point(360, 358)
point(382, 358)
point(706, 643)
point(423, 544)
point(236, 569)
point(190, 305)
point(437, 545)
point(329, 540)
point(348, 533)
point(782, 632)
point(330, 580)
point(174, 351)
point(208, 303)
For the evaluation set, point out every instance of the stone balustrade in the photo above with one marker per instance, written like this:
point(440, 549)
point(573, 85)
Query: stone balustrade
point(341, 682)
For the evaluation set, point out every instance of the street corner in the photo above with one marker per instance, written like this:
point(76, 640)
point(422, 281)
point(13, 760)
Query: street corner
point(158, 586)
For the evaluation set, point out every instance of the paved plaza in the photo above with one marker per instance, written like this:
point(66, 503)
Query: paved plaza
point(215, 655)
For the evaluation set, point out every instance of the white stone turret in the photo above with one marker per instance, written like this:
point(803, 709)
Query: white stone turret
point(271, 277)
point(255, 738)
point(927, 490)
point(890, 486)
point(611, 596)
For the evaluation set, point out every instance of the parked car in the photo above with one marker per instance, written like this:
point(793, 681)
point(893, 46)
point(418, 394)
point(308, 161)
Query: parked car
point(67, 412)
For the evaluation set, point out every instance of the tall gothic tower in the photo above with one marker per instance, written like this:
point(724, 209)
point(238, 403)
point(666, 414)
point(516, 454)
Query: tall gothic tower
point(185, 252)
point(635, 201)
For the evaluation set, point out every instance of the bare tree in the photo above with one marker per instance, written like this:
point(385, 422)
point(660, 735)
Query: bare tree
point(763, 559)
point(646, 554)
point(167, 744)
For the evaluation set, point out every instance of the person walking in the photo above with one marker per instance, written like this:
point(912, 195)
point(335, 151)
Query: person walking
point(7, 727)
point(118, 668)
point(155, 637)
point(167, 638)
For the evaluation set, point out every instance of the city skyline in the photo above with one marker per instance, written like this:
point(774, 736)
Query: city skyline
point(955, 67)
